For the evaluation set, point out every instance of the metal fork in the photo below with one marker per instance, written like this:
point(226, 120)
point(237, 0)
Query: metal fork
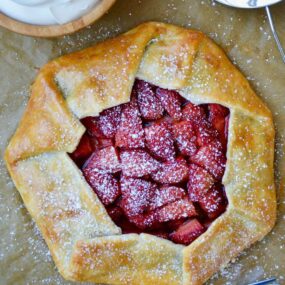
point(265, 282)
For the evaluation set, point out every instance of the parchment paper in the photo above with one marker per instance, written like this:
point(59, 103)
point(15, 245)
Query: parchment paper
point(246, 37)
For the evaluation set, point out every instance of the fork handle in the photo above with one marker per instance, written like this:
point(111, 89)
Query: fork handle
point(275, 35)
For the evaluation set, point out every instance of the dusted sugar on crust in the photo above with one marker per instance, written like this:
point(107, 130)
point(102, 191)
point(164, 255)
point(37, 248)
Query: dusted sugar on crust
point(82, 235)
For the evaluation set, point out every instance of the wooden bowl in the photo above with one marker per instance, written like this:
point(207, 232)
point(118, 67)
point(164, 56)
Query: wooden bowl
point(56, 30)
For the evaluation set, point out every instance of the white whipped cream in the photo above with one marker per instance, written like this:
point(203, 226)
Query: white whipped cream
point(46, 12)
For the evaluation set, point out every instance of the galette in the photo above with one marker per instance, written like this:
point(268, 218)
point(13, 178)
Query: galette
point(145, 159)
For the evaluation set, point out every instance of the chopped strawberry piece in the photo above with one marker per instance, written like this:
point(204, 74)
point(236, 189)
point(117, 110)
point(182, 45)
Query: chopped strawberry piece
point(216, 144)
point(145, 221)
point(182, 208)
point(167, 121)
point(213, 202)
point(171, 172)
point(205, 133)
point(212, 158)
point(159, 141)
point(94, 143)
point(102, 143)
point(200, 181)
point(175, 224)
point(83, 150)
point(217, 110)
point(137, 163)
point(149, 105)
point(115, 212)
point(130, 133)
point(185, 136)
point(177, 210)
point(109, 121)
point(127, 227)
point(218, 123)
point(193, 113)
point(165, 195)
point(92, 126)
point(105, 125)
point(136, 195)
point(105, 185)
point(187, 232)
point(99, 143)
point(171, 101)
point(217, 117)
point(104, 160)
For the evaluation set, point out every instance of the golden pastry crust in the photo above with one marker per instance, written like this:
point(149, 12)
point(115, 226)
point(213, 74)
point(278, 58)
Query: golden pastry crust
point(86, 245)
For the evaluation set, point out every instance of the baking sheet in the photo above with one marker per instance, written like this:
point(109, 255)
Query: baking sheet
point(246, 37)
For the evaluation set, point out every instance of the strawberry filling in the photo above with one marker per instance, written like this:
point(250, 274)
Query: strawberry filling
point(157, 163)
